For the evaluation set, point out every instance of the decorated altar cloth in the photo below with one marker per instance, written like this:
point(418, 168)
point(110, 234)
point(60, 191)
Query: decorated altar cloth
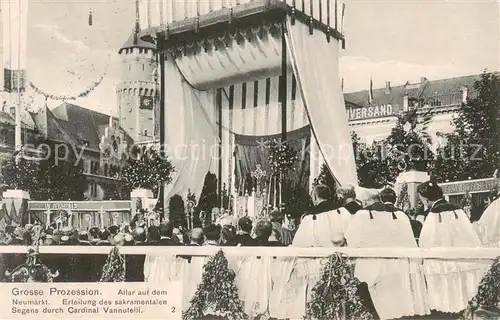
point(253, 151)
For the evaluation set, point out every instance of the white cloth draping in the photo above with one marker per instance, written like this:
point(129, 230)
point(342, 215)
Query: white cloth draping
point(488, 227)
point(315, 62)
point(190, 132)
point(322, 230)
point(451, 284)
point(396, 286)
point(235, 63)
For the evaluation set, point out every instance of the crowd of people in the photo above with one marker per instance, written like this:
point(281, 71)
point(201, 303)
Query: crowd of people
point(396, 287)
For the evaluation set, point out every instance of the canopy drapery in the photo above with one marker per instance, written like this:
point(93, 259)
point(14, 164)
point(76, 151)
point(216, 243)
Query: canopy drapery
point(190, 132)
point(236, 57)
point(194, 71)
point(315, 63)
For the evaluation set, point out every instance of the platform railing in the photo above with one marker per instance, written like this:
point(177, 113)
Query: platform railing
point(443, 253)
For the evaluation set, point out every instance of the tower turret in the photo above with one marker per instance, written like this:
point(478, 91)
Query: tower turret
point(138, 90)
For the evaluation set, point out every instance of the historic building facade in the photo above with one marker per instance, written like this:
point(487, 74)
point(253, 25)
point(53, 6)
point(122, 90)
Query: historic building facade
point(373, 113)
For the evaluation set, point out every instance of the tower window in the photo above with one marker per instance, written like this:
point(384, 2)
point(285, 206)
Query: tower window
point(143, 67)
point(129, 67)
point(146, 133)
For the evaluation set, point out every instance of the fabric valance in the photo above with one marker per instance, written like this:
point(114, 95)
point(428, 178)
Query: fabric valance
point(241, 55)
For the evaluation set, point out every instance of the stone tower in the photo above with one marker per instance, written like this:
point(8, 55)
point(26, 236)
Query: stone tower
point(137, 93)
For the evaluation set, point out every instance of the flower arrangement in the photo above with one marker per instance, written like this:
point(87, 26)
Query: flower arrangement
point(114, 269)
point(217, 294)
point(487, 299)
point(281, 157)
point(335, 295)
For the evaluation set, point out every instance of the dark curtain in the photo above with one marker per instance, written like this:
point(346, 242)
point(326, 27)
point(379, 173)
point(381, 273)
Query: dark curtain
point(251, 151)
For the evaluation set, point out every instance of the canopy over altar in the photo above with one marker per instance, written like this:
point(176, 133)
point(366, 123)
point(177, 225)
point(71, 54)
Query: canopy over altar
point(233, 69)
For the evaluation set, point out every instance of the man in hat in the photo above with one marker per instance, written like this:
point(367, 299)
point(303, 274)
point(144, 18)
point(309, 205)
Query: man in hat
point(284, 234)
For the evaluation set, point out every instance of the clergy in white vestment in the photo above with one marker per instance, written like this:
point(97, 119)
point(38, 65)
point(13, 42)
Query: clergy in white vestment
point(488, 225)
point(396, 286)
point(325, 225)
point(450, 283)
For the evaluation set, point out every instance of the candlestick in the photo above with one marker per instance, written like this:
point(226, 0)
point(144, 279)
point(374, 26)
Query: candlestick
point(47, 220)
point(275, 203)
point(280, 191)
point(101, 216)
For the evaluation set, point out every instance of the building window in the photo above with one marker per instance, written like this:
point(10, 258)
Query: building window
point(105, 169)
point(143, 67)
point(145, 133)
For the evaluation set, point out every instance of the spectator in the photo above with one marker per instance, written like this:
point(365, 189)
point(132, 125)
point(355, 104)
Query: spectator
point(83, 238)
point(228, 236)
point(244, 238)
point(196, 237)
point(166, 232)
point(153, 236)
point(263, 230)
point(104, 238)
point(139, 236)
point(94, 235)
point(212, 235)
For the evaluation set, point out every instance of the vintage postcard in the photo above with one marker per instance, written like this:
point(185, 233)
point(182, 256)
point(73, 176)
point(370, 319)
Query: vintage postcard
point(250, 159)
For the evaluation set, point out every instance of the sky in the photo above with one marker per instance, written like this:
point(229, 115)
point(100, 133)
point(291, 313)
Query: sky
point(386, 40)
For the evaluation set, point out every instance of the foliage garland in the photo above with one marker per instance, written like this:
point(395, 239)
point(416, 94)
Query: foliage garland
point(488, 293)
point(217, 293)
point(335, 295)
point(84, 94)
point(114, 269)
point(281, 157)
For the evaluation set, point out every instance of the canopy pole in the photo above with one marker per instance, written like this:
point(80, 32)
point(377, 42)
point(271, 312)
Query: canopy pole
point(282, 83)
point(218, 103)
point(161, 194)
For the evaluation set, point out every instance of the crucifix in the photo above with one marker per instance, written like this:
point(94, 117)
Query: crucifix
point(258, 174)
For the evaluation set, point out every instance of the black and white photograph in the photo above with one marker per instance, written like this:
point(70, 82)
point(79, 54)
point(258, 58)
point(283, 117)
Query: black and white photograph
point(250, 159)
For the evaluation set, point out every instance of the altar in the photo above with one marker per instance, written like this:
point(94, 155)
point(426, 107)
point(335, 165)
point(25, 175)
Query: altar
point(239, 73)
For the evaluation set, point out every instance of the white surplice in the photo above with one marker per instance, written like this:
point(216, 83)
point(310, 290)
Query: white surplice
point(450, 283)
point(323, 229)
point(397, 286)
point(488, 227)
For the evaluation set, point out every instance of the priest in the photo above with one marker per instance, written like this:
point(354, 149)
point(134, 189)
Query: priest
point(488, 225)
point(450, 284)
point(325, 225)
point(396, 286)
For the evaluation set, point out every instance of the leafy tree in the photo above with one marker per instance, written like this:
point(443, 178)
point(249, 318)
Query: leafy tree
point(472, 150)
point(147, 169)
point(371, 167)
point(406, 148)
point(49, 178)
